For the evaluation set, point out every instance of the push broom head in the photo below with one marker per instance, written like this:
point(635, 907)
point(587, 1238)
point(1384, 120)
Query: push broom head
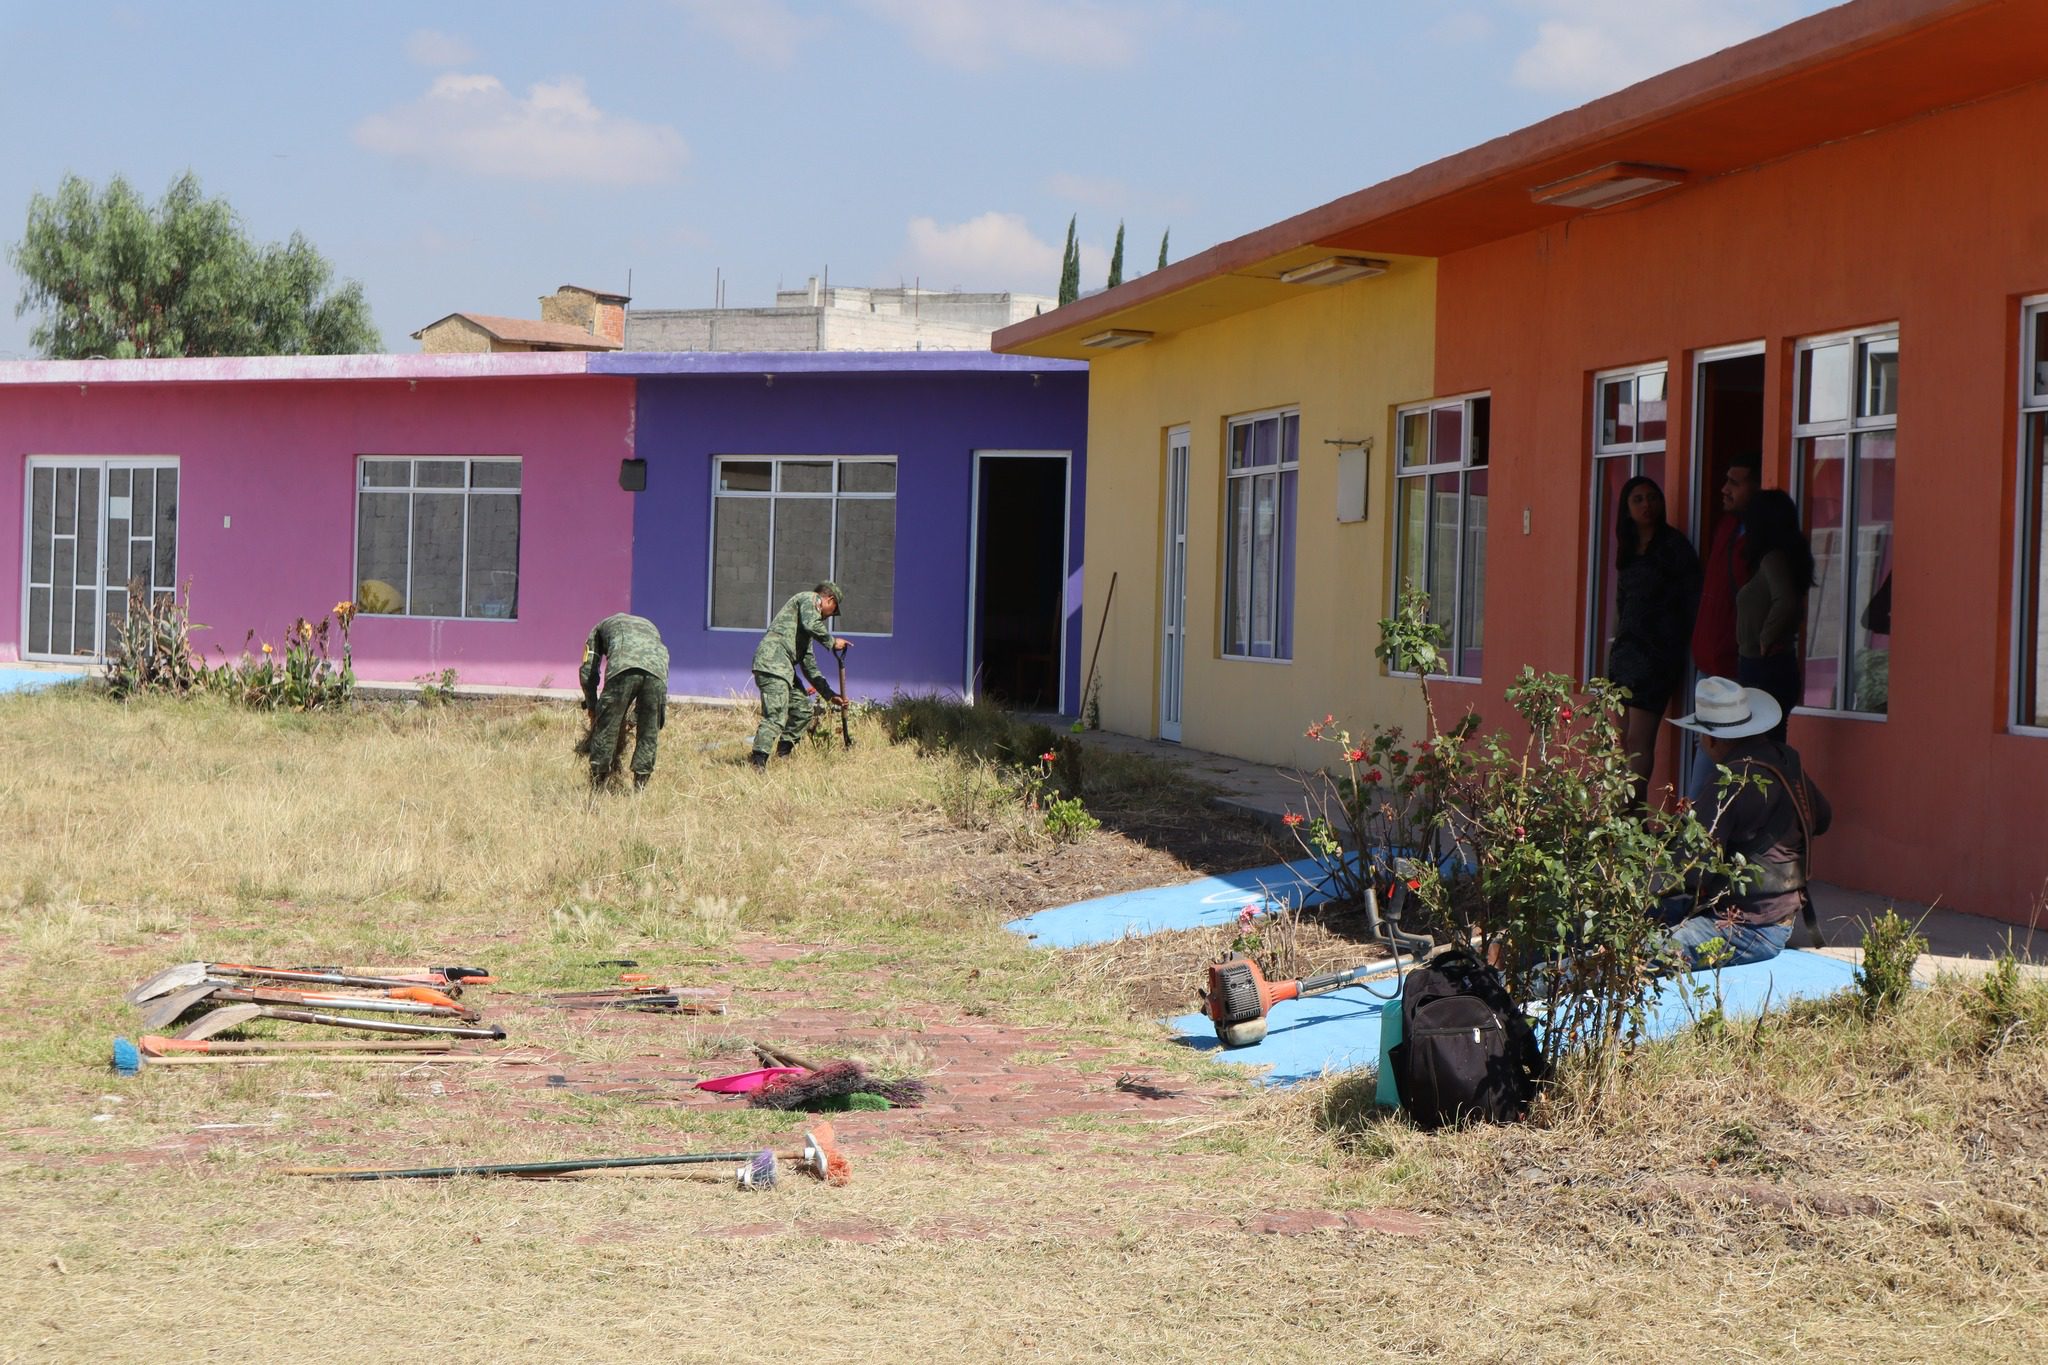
point(823, 1157)
point(758, 1174)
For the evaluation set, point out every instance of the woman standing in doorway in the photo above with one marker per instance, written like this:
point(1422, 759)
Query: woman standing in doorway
point(1657, 590)
point(1771, 607)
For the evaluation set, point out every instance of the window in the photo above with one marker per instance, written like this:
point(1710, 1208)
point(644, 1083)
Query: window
point(783, 524)
point(2032, 661)
point(1440, 519)
point(1845, 437)
point(1629, 409)
point(1258, 529)
point(437, 537)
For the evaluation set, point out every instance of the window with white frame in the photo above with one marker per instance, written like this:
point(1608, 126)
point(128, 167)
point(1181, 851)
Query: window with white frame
point(1845, 439)
point(2031, 662)
point(1260, 484)
point(1629, 416)
point(781, 524)
point(437, 536)
point(1440, 480)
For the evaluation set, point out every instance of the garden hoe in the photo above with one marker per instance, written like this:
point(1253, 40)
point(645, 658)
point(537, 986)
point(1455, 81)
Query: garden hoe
point(845, 736)
point(1239, 996)
point(174, 1007)
point(188, 974)
point(821, 1156)
point(234, 1016)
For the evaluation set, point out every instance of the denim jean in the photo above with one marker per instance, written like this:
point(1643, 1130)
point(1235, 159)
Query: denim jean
point(1745, 943)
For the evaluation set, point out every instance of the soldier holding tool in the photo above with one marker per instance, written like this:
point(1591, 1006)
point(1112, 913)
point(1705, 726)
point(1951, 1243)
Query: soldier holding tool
point(635, 666)
point(785, 707)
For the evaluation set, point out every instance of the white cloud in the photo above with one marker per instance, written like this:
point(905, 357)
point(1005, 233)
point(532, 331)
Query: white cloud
point(994, 251)
point(975, 35)
point(472, 123)
point(431, 47)
point(766, 30)
point(1590, 47)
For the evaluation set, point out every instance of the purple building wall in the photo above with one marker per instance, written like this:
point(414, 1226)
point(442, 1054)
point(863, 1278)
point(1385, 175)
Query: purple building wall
point(931, 410)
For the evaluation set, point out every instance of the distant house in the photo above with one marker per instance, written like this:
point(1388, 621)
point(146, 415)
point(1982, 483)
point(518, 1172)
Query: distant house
point(484, 510)
point(825, 318)
point(572, 318)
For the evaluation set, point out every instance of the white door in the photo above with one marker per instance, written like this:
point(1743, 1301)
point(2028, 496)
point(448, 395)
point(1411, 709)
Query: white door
point(93, 527)
point(1173, 578)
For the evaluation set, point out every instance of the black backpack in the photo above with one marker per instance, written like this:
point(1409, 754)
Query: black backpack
point(1467, 1052)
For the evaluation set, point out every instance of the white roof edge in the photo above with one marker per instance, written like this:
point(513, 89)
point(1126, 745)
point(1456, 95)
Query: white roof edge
point(232, 369)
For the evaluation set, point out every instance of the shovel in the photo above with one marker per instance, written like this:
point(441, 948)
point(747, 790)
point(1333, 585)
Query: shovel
point(188, 974)
point(174, 1007)
point(845, 736)
point(234, 1016)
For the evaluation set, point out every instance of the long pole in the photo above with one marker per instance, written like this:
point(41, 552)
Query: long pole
point(1096, 653)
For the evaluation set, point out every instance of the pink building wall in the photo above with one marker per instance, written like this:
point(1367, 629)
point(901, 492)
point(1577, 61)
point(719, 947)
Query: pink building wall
point(277, 459)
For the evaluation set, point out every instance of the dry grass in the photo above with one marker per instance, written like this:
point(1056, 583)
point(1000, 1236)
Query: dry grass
point(1871, 1190)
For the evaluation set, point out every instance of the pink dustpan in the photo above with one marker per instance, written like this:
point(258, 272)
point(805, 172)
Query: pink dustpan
point(747, 1082)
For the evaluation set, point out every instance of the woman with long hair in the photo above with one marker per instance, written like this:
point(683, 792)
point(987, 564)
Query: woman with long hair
point(1771, 607)
point(1657, 590)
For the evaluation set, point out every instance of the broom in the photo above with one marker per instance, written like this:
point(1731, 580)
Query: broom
point(827, 1086)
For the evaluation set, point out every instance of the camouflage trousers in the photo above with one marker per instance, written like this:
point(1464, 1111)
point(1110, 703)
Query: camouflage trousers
point(785, 712)
point(640, 697)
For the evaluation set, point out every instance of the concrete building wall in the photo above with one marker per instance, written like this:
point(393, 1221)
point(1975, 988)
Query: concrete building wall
point(267, 503)
point(933, 423)
point(1344, 356)
point(1939, 799)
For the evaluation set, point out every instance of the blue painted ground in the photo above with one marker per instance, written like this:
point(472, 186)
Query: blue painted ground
point(18, 679)
point(1210, 903)
point(1341, 1031)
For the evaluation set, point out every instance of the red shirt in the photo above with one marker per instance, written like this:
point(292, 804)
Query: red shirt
point(1713, 630)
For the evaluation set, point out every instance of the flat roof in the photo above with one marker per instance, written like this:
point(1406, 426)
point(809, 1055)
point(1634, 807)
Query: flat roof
point(1849, 70)
point(515, 365)
point(658, 363)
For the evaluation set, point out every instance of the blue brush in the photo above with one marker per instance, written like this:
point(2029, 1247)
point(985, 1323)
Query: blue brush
point(127, 1060)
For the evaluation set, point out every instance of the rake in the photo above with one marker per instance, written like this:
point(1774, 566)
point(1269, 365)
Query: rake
point(821, 1157)
point(234, 1016)
point(173, 1007)
point(188, 974)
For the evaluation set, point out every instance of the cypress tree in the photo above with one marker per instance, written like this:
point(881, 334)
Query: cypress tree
point(1070, 267)
point(1116, 258)
point(1162, 247)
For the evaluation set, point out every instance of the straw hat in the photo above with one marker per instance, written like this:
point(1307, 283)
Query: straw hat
point(1725, 709)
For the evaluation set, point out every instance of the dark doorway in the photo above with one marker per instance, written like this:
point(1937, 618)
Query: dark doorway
point(1020, 576)
point(1731, 424)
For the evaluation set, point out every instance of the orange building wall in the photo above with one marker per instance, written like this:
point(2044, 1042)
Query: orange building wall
point(1941, 225)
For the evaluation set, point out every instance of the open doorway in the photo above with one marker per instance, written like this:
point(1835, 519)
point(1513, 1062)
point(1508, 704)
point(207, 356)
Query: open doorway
point(1728, 407)
point(1020, 559)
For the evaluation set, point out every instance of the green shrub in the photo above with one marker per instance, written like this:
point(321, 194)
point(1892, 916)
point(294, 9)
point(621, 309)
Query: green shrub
point(1890, 948)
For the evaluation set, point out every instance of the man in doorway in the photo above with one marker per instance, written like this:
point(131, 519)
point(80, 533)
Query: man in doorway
point(635, 664)
point(784, 650)
point(1724, 572)
point(1770, 824)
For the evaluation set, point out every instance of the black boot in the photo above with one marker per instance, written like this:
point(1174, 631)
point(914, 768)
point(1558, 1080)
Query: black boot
point(758, 759)
point(640, 780)
point(782, 747)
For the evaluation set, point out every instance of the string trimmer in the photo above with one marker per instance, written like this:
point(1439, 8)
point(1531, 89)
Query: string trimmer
point(1239, 997)
point(821, 1156)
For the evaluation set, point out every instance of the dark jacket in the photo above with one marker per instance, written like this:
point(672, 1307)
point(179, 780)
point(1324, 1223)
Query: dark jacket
point(1763, 827)
point(1656, 594)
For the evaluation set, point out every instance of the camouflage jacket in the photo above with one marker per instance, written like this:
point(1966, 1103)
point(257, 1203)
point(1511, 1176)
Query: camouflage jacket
point(622, 642)
point(791, 635)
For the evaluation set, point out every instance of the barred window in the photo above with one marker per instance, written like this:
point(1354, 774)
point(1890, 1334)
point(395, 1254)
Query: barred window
point(781, 524)
point(437, 537)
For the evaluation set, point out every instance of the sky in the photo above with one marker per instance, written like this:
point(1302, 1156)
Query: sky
point(474, 156)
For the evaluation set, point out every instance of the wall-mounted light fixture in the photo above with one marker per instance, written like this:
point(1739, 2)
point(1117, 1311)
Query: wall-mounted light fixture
point(1614, 183)
point(1334, 270)
point(633, 475)
point(1115, 337)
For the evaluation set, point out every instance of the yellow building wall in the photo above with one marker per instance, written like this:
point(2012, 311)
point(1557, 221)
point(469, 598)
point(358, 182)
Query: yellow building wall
point(1345, 356)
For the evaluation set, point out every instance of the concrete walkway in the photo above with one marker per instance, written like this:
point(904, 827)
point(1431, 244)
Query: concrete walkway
point(29, 677)
point(1960, 943)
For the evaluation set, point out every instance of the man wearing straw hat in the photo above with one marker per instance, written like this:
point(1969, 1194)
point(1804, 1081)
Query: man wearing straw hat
point(1771, 824)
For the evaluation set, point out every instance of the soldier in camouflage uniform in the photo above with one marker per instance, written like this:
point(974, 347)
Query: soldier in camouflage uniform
point(785, 709)
point(635, 684)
